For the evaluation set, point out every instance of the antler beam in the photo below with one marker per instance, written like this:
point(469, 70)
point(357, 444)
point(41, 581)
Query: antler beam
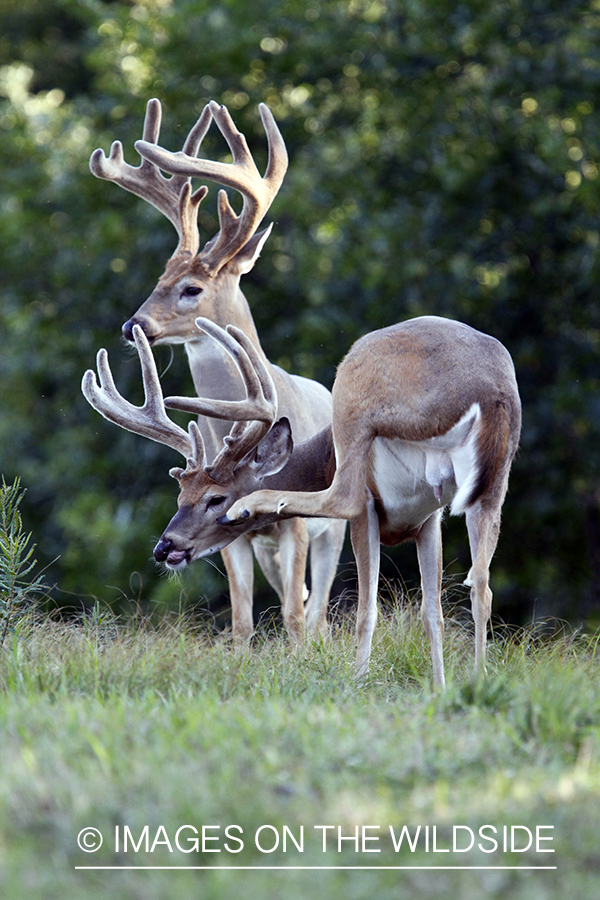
point(150, 420)
point(172, 196)
point(259, 409)
point(242, 175)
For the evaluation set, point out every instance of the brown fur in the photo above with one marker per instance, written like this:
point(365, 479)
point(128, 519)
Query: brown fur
point(413, 382)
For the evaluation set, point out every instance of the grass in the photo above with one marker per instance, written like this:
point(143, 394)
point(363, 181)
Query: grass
point(116, 725)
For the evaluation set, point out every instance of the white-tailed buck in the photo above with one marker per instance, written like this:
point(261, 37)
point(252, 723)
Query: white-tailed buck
point(206, 282)
point(426, 414)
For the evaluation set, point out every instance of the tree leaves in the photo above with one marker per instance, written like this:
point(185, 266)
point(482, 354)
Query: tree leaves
point(443, 159)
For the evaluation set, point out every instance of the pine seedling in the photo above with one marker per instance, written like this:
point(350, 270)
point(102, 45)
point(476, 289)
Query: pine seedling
point(16, 560)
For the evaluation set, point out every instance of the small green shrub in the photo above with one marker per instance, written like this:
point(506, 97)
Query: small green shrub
point(16, 560)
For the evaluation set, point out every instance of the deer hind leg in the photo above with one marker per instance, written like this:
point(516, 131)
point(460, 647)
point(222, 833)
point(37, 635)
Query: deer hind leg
point(364, 533)
point(293, 553)
point(239, 565)
point(483, 526)
point(343, 499)
point(324, 555)
point(429, 552)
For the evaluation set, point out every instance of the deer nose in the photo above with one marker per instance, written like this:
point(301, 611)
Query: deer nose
point(127, 329)
point(162, 549)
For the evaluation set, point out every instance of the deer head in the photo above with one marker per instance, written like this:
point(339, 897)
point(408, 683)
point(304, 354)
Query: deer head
point(198, 282)
point(256, 447)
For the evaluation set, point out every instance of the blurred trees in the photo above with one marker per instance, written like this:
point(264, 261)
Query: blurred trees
point(443, 159)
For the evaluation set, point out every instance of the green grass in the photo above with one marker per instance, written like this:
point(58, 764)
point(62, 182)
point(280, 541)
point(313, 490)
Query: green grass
point(107, 724)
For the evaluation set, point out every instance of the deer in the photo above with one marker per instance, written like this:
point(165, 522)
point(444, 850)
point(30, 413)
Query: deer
point(206, 282)
point(426, 416)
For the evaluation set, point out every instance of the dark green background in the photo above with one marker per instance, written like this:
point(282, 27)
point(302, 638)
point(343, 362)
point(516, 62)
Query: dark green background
point(443, 159)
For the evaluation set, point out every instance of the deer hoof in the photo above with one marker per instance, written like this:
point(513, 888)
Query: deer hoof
point(225, 520)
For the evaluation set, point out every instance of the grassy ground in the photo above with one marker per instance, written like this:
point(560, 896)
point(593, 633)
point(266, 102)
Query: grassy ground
point(118, 727)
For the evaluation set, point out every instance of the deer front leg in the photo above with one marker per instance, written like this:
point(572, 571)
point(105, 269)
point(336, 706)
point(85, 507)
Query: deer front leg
point(239, 565)
point(325, 552)
point(364, 533)
point(429, 552)
point(293, 552)
point(268, 560)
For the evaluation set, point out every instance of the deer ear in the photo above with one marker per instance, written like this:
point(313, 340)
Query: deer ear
point(273, 451)
point(245, 258)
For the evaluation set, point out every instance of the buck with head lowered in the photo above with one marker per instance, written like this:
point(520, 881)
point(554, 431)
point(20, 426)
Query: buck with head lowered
point(426, 414)
point(206, 282)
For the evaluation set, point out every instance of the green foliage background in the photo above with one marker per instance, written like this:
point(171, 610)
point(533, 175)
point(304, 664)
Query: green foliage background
point(444, 158)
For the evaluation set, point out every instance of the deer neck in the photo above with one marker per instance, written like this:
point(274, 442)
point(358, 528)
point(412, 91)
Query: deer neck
point(311, 466)
point(214, 373)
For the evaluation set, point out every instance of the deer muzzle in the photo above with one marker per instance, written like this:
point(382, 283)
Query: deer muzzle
point(127, 328)
point(166, 552)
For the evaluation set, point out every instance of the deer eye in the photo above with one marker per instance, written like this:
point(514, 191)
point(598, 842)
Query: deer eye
point(191, 291)
point(216, 501)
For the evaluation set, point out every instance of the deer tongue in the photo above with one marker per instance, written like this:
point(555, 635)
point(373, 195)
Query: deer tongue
point(176, 557)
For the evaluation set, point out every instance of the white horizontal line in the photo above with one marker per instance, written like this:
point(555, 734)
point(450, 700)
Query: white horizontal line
point(317, 868)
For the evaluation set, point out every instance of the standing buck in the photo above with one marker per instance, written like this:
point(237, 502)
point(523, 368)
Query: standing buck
point(207, 283)
point(426, 414)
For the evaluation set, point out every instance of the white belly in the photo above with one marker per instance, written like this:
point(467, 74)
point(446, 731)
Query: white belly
point(398, 469)
point(415, 478)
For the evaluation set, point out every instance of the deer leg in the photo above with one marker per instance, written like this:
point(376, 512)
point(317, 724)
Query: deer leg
point(429, 552)
point(268, 560)
point(239, 565)
point(293, 553)
point(364, 533)
point(483, 526)
point(323, 504)
point(343, 499)
point(325, 552)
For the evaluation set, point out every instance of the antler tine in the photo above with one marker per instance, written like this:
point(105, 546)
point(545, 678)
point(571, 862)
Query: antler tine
point(172, 196)
point(242, 175)
point(278, 158)
point(150, 420)
point(259, 409)
point(261, 396)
